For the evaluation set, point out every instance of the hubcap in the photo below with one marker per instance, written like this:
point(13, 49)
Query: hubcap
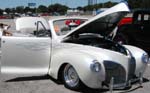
point(71, 76)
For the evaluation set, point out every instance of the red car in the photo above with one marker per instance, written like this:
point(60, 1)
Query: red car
point(45, 14)
point(73, 22)
point(3, 17)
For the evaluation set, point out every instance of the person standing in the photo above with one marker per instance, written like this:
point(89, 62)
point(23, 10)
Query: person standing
point(3, 30)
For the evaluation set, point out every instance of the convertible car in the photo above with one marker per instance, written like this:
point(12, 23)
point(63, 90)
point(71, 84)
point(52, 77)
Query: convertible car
point(83, 56)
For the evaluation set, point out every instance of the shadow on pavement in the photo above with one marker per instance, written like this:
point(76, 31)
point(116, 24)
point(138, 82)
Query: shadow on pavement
point(84, 90)
point(88, 90)
point(33, 78)
point(126, 90)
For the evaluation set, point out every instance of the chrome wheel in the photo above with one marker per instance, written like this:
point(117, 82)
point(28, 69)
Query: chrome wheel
point(71, 78)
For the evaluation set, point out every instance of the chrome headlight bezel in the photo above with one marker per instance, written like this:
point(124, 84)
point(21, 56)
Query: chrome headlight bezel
point(95, 66)
point(145, 58)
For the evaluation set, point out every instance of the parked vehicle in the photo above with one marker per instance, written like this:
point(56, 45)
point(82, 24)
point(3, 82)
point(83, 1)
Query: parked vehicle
point(135, 30)
point(45, 14)
point(81, 57)
point(6, 16)
point(2, 17)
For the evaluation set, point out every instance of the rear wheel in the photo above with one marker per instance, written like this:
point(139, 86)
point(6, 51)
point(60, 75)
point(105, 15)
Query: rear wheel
point(71, 78)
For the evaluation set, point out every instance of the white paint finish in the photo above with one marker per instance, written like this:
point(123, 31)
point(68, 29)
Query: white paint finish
point(26, 24)
point(80, 59)
point(137, 53)
point(31, 55)
point(27, 55)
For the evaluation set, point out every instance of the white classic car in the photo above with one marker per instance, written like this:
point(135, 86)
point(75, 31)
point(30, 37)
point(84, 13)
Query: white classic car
point(83, 56)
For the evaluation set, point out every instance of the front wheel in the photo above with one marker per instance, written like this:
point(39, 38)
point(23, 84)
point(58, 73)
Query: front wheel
point(71, 78)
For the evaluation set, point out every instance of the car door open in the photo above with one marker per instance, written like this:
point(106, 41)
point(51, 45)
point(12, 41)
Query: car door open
point(28, 56)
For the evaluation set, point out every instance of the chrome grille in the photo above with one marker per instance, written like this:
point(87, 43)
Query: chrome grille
point(114, 70)
point(132, 66)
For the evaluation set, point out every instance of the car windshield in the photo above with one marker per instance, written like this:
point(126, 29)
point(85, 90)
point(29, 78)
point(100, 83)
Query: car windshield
point(63, 26)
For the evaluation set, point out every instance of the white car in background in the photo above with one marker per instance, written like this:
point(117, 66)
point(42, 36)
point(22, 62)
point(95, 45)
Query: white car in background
point(82, 56)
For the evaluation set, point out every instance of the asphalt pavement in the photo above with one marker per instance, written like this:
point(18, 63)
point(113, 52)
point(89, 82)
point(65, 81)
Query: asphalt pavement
point(45, 84)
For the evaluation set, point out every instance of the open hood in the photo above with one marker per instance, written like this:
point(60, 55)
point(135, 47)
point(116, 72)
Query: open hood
point(103, 23)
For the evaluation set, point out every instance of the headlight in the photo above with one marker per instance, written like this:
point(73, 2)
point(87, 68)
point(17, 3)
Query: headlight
point(145, 58)
point(95, 66)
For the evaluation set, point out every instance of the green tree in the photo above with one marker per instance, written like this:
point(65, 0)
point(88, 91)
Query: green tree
point(80, 8)
point(1, 12)
point(8, 10)
point(13, 10)
point(61, 9)
point(88, 8)
point(135, 3)
point(33, 10)
point(42, 9)
point(27, 9)
point(109, 4)
point(19, 9)
point(100, 5)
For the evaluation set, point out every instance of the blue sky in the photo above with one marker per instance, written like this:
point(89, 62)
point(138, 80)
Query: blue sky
point(70, 3)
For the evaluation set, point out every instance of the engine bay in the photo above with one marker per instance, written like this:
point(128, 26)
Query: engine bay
point(96, 40)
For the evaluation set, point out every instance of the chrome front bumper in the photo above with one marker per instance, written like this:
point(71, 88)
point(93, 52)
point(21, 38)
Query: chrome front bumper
point(111, 86)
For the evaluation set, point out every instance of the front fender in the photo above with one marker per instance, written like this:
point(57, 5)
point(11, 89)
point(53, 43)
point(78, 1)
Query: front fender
point(81, 61)
point(137, 54)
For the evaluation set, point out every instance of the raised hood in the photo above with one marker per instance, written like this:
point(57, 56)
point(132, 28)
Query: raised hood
point(103, 23)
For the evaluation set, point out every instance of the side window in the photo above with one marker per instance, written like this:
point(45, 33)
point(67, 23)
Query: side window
point(41, 30)
point(139, 18)
point(32, 27)
point(147, 17)
point(60, 27)
point(143, 17)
